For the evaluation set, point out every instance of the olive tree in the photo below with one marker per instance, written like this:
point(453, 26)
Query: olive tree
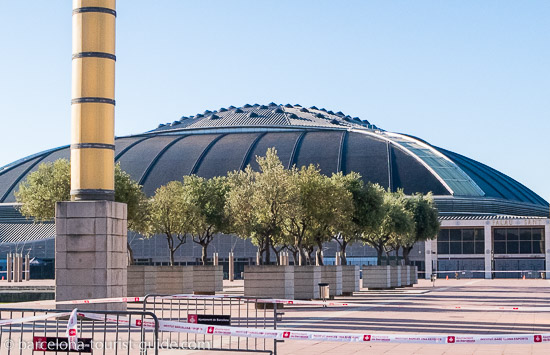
point(204, 202)
point(426, 221)
point(51, 183)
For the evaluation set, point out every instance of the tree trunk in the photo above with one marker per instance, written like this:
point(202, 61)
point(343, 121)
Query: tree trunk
point(204, 256)
point(130, 254)
point(379, 256)
point(343, 259)
point(172, 252)
point(267, 251)
point(406, 252)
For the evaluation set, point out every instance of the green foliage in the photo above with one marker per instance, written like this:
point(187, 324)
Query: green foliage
point(51, 183)
point(205, 201)
point(168, 215)
point(40, 191)
point(396, 227)
point(426, 221)
point(257, 201)
point(366, 211)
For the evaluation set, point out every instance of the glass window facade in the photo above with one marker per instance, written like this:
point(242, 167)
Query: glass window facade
point(518, 240)
point(461, 241)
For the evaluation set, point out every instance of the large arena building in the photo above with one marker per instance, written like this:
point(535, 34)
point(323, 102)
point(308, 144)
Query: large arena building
point(492, 225)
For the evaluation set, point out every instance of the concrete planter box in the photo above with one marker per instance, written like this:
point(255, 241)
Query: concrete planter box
point(332, 275)
point(171, 280)
point(376, 277)
point(206, 279)
point(405, 276)
point(413, 272)
point(269, 281)
point(350, 279)
point(395, 276)
point(168, 280)
point(306, 282)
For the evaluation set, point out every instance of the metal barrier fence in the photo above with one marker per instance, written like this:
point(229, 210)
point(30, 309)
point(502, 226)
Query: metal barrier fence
point(234, 311)
point(103, 336)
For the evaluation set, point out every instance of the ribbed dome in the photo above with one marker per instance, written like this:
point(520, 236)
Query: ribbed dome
point(215, 142)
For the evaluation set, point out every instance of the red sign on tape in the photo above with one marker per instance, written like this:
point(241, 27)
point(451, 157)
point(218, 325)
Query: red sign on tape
point(366, 337)
point(538, 339)
point(451, 340)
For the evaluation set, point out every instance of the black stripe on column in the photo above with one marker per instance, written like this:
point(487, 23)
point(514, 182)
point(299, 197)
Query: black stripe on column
point(101, 100)
point(92, 145)
point(94, 55)
point(93, 194)
point(94, 9)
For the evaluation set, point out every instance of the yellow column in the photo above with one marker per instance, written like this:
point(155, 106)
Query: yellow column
point(93, 100)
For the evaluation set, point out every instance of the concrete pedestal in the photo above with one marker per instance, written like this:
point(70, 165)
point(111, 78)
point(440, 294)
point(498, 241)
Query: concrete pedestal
point(395, 272)
point(90, 252)
point(269, 281)
point(332, 274)
point(207, 279)
point(404, 271)
point(350, 279)
point(376, 277)
point(306, 282)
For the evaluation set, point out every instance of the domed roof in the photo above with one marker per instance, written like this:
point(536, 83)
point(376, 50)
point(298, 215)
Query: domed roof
point(215, 142)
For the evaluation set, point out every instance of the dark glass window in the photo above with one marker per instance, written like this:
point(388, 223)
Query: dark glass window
point(512, 247)
point(480, 235)
point(538, 246)
point(518, 240)
point(525, 247)
point(525, 234)
point(461, 241)
point(456, 235)
point(500, 248)
point(480, 248)
point(443, 235)
point(468, 248)
point(456, 248)
point(467, 235)
point(443, 247)
point(512, 234)
point(500, 234)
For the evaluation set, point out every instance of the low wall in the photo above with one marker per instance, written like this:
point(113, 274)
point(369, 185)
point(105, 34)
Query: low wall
point(306, 282)
point(350, 279)
point(269, 281)
point(206, 279)
point(171, 280)
point(332, 275)
point(376, 277)
point(395, 276)
point(166, 280)
point(405, 275)
point(414, 274)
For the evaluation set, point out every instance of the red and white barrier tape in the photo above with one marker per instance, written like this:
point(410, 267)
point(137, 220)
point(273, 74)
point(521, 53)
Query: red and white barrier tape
point(180, 327)
point(337, 304)
point(282, 301)
point(4, 322)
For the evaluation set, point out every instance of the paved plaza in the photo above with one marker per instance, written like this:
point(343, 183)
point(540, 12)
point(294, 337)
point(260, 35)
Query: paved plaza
point(424, 310)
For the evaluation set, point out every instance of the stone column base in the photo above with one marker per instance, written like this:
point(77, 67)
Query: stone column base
point(90, 253)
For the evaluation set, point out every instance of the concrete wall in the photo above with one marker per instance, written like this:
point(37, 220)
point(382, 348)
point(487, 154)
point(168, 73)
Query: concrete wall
point(376, 277)
point(350, 279)
point(270, 281)
point(395, 272)
point(207, 279)
point(306, 282)
point(332, 275)
point(162, 280)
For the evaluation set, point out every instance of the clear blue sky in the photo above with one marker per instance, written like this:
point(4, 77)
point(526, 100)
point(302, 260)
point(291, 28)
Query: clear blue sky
point(469, 76)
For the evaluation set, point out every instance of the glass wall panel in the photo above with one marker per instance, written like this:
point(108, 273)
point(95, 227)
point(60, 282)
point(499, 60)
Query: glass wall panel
point(456, 235)
point(456, 248)
point(518, 240)
point(467, 234)
point(525, 247)
point(461, 241)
